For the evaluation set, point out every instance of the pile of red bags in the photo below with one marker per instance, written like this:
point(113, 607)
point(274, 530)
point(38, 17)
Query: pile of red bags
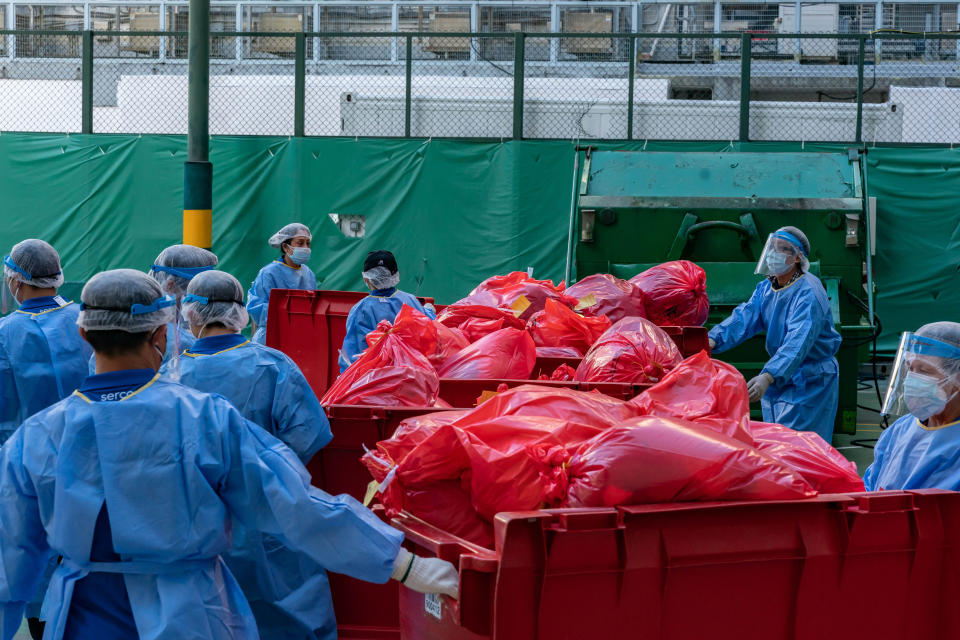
point(390, 373)
point(632, 350)
point(687, 438)
point(507, 354)
point(610, 296)
point(676, 294)
point(431, 338)
point(559, 326)
point(477, 321)
point(517, 292)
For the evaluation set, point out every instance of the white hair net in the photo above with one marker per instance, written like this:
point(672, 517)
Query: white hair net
point(381, 278)
point(178, 264)
point(289, 232)
point(215, 297)
point(34, 262)
point(124, 300)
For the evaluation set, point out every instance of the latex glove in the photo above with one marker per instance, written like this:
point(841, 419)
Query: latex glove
point(712, 343)
point(758, 386)
point(430, 307)
point(426, 575)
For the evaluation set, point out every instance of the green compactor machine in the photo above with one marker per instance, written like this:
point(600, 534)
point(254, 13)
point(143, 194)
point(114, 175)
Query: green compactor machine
point(631, 210)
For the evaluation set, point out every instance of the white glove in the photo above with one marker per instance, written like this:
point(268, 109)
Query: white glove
point(758, 386)
point(712, 343)
point(430, 307)
point(426, 575)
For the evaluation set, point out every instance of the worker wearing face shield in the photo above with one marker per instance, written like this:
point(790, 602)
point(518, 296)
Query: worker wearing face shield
point(921, 450)
point(289, 271)
point(799, 385)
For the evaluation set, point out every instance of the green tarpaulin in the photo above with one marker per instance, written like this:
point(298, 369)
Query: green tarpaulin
point(454, 212)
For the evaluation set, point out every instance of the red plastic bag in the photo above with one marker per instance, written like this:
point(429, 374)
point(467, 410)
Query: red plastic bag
point(613, 297)
point(477, 321)
point(532, 400)
point(809, 455)
point(507, 354)
point(564, 373)
point(558, 352)
point(632, 350)
point(708, 392)
point(518, 292)
point(391, 373)
point(676, 294)
point(434, 340)
point(652, 459)
point(560, 326)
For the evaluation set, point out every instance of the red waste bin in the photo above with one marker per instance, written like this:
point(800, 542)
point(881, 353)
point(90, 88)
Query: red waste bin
point(880, 566)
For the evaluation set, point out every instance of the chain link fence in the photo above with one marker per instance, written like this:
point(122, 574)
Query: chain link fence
point(602, 82)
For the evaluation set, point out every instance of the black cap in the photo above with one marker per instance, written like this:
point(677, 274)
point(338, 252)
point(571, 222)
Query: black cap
point(380, 259)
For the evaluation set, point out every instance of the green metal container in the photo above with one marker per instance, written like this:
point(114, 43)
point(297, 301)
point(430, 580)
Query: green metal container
point(634, 209)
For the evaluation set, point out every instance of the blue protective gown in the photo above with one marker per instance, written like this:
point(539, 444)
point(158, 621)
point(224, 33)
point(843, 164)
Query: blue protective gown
point(364, 317)
point(802, 342)
point(42, 358)
point(174, 466)
point(276, 275)
point(288, 592)
point(186, 341)
point(909, 455)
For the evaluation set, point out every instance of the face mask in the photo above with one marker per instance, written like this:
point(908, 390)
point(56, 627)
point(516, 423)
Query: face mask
point(777, 263)
point(300, 255)
point(14, 291)
point(923, 395)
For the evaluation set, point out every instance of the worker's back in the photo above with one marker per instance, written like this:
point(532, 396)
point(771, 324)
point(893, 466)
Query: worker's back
point(42, 359)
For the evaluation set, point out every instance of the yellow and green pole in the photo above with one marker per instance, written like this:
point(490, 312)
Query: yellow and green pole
point(197, 171)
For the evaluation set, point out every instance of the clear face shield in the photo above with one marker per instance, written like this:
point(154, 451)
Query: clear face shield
point(780, 254)
point(924, 378)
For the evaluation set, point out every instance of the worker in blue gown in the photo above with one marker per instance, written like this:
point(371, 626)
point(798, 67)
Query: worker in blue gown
point(288, 592)
point(921, 450)
point(173, 269)
point(134, 481)
point(43, 359)
point(381, 275)
point(798, 386)
point(286, 272)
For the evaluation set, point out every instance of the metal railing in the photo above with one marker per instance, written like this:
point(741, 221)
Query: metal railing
point(875, 87)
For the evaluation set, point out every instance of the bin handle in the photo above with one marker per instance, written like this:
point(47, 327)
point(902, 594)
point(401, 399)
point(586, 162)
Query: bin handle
point(689, 227)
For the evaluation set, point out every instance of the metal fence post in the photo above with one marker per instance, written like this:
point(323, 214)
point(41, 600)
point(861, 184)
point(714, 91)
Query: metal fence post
point(631, 71)
point(86, 83)
point(407, 96)
point(518, 60)
point(745, 55)
point(861, 52)
point(299, 84)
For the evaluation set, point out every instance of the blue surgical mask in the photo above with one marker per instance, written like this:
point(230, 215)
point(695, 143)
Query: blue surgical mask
point(777, 263)
point(300, 255)
point(923, 395)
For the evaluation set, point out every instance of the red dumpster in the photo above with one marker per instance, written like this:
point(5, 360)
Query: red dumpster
point(865, 566)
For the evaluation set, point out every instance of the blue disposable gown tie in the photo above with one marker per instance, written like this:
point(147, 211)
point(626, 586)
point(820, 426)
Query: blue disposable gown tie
point(801, 341)
point(186, 341)
point(288, 592)
point(174, 465)
point(366, 314)
point(276, 275)
point(42, 359)
point(909, 455)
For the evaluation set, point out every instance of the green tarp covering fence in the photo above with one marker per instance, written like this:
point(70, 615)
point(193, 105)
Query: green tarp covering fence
point(453, 211)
